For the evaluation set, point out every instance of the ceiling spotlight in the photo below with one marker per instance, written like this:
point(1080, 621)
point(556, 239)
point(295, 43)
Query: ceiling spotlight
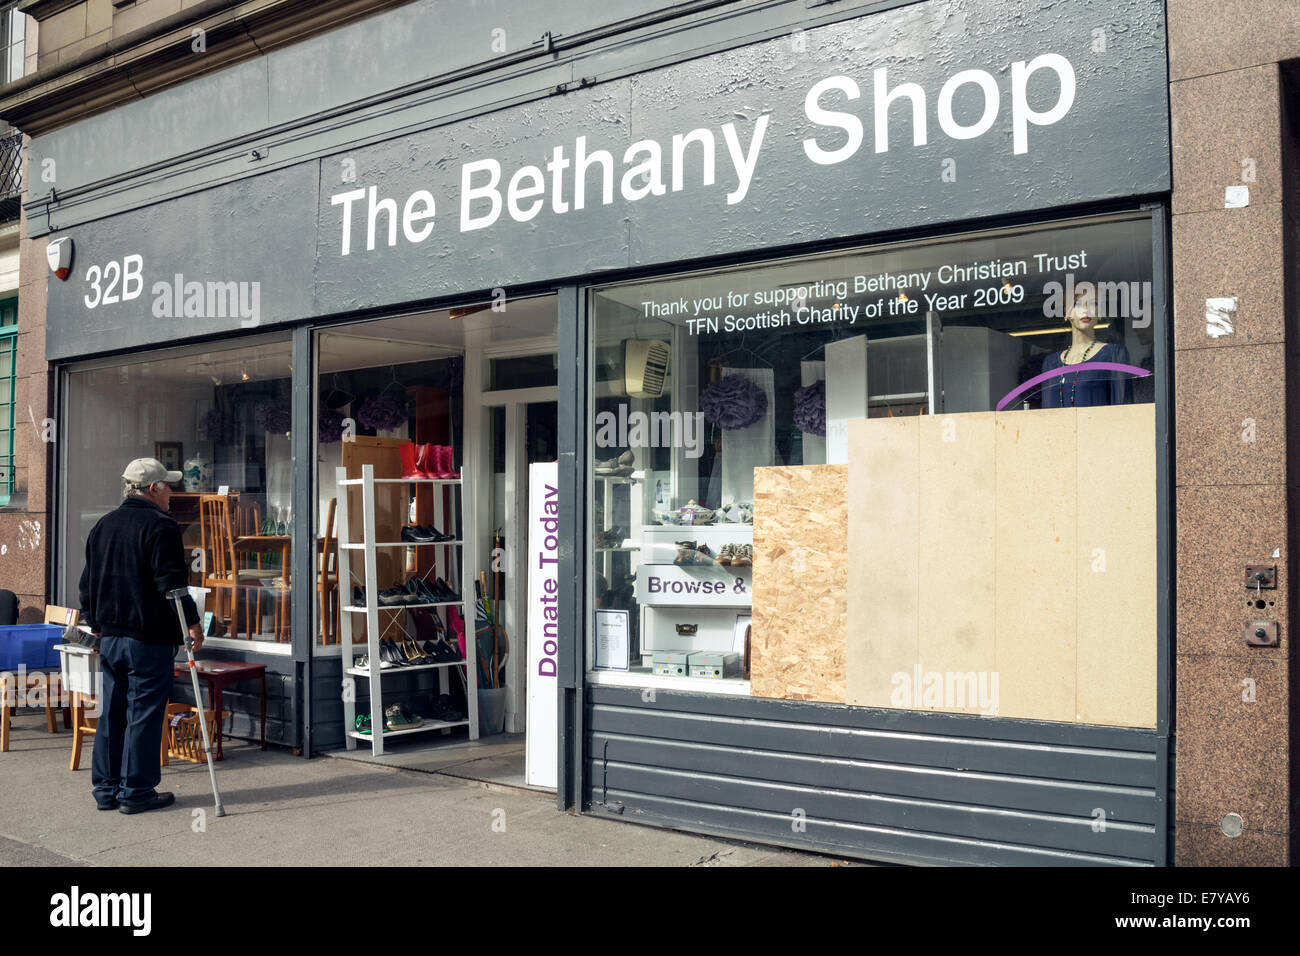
point(243, 376)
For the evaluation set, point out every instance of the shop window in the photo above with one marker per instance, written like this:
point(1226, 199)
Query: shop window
point(878, 477)
point(222, 417)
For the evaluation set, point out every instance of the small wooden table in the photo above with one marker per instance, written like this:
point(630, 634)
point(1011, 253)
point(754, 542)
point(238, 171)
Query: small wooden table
point(218, 674)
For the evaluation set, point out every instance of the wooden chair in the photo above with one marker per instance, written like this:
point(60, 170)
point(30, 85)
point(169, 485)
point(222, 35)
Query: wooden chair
point(327, 579)
point(222, 572)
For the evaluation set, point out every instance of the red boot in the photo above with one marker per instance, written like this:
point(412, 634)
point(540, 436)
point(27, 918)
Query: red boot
point(409, 467)
point(425, 462)
point(446, 467)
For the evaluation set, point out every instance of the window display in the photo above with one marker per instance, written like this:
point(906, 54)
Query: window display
point(221, 416)
point(745, 421)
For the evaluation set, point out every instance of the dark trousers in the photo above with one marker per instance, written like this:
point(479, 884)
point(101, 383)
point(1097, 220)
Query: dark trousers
point(137, 681)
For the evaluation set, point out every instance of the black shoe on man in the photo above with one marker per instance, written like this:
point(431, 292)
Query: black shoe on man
point(156, 802)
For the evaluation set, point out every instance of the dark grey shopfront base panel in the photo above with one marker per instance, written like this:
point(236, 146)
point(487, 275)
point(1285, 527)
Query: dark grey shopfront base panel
point(417, 690)
point(876, 784)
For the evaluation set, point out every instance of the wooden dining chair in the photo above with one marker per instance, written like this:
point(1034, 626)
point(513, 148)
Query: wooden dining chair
point(327, 578)
point(222, 572)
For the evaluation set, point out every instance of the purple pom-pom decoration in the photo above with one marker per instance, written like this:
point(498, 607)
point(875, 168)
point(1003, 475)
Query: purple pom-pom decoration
point(381, 413)
point(810, 409)
point(219, 427)
point(733, 402)
point(273, 415)
point(329, 424)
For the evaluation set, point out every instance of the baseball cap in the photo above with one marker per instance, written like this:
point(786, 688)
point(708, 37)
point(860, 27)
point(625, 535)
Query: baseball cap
point(145, 471)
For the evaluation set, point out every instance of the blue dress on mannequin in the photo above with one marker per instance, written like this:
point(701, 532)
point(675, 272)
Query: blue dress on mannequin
point(1089, 387)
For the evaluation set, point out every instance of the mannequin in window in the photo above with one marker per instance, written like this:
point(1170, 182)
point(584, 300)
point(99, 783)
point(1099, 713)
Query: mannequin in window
point(1090, 387)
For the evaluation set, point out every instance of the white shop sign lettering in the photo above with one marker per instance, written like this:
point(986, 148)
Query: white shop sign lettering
point(581, 173)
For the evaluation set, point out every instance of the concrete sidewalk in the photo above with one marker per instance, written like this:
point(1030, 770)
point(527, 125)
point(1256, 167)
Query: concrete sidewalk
point(283, 809)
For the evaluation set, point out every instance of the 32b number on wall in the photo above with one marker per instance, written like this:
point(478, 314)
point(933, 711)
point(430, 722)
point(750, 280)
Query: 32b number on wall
point(129, 272)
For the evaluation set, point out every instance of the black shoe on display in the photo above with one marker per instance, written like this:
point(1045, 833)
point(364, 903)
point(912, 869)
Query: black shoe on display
point(416, 535)
point(444, 711)
point(443, 593)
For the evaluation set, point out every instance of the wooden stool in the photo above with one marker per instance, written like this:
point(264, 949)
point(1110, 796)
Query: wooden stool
point(83, 726)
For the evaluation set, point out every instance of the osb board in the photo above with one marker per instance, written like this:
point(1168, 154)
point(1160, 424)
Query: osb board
point(1015, 547)
point(800, 582)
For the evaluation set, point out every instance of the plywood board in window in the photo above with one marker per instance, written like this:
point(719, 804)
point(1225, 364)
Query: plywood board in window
point(800, 577)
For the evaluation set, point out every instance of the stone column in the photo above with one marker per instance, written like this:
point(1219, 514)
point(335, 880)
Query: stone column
point(1235, 481)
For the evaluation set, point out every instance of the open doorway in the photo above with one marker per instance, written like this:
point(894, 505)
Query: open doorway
point(424, 424)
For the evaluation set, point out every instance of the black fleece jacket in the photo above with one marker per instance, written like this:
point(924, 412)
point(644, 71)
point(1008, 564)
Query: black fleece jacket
point(134, 556)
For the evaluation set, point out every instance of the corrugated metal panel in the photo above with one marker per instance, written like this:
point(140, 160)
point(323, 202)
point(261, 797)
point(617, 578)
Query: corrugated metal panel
point(876, 784)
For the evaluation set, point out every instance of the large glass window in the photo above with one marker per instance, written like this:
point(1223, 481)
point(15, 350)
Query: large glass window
point(222, 417)
point(918, 476)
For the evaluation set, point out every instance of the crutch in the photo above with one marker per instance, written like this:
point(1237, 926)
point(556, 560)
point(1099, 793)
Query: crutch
point(176, 596)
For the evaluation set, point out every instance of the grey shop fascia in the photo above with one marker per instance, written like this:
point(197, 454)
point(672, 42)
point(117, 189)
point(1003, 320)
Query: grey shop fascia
point(644, 173)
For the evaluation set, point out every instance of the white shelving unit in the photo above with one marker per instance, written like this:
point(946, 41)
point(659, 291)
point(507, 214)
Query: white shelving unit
point(714, 616)
point(373, 611)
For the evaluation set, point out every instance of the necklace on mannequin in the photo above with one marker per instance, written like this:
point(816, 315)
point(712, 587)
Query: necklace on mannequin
point(1075, 381)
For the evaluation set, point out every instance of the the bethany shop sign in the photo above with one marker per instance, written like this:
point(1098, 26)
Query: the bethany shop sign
point(923, 115)
point(581, 174)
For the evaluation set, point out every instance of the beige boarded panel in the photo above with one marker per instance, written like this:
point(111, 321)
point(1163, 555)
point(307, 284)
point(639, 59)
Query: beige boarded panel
point(1117, 566)
point(1036, 563)
point(956, 637)
point(800, 578)
point(883, 561)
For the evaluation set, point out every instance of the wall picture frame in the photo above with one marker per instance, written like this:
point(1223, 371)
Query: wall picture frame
point(170, 453)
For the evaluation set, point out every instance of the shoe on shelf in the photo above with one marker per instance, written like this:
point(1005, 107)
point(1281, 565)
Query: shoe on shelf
point(685, 554)
point(744, 556)
point(417, 535)
point(703, 555)
point(410, 466)
point(363, 724)
point(620, 467)
point(446, 467)
point(388, 651)
point(444, 653)
point(398, 717)
point(443, 594)
point(726, 554)
point(424, 462)
point(358, 597)
point(436, 535)
point(444, 711)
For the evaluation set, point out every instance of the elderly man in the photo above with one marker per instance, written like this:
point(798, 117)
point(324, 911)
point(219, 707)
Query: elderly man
point(134, 556)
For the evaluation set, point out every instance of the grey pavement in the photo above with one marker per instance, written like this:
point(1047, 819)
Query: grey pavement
point(284, 810)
